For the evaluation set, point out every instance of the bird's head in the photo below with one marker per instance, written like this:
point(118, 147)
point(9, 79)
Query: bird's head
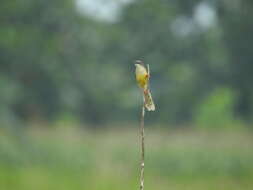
point(139, 62)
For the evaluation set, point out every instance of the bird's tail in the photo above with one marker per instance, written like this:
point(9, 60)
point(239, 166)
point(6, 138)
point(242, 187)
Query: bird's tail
point(149, 104)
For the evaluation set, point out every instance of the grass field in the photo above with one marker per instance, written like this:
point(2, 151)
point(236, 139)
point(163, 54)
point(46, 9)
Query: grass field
point(71, 159)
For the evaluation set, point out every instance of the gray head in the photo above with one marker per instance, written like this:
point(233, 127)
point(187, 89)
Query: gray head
point(139, 62)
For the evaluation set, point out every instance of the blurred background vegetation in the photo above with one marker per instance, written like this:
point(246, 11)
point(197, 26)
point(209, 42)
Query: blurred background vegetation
point(66, 68)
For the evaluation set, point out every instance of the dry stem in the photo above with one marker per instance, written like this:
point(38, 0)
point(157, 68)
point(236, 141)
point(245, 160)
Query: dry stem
point(142, 146)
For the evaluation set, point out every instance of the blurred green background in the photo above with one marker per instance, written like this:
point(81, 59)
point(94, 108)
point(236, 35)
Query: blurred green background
point(70, 106)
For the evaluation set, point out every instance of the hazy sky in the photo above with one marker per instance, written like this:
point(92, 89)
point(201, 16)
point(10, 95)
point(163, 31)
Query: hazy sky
point(106, 10)
point(109, 10)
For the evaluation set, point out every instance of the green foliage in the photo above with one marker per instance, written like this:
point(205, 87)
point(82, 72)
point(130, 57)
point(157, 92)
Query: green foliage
point(67, 159)
point(216, 110)
point(54, 60)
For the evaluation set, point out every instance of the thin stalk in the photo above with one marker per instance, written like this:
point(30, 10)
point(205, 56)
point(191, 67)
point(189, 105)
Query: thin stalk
point(142, 146)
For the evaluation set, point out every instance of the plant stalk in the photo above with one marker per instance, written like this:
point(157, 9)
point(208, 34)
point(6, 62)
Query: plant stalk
point(142, 146)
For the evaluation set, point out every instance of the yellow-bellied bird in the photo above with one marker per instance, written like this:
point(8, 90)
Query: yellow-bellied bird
point(142, 78)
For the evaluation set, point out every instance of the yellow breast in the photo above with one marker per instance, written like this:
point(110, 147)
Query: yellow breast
point(141, 76)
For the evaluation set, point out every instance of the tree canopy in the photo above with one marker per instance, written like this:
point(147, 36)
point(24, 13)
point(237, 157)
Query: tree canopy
point(58, 63)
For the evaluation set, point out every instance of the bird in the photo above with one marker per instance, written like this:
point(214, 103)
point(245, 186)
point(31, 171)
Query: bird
point(142, 77)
